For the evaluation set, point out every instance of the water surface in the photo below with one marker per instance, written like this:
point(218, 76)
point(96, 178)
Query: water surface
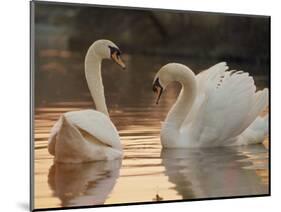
point(146, 173)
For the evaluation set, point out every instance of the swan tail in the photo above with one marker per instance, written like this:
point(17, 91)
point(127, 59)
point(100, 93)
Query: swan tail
point(53, 136)
point(257, 131)
point(265, 124)
point(70, 146)
point(260, 106)
point(60, 142)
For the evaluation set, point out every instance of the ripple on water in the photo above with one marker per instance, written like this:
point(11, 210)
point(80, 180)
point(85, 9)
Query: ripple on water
point(147, 172)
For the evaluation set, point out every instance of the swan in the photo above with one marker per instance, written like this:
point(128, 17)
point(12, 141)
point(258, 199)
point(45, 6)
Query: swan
point(89, 135)
point(216, 107)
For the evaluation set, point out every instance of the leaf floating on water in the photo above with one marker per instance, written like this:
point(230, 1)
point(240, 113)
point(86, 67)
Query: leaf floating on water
point(158, 198)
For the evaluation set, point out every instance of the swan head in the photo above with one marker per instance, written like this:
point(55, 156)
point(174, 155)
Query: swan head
point(172, 72)
point(106, 49)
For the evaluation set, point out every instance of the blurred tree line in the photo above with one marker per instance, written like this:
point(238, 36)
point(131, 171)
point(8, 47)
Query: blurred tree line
point(151, 38)
point(161, 32)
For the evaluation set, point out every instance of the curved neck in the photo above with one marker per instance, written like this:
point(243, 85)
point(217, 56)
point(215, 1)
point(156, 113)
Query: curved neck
point(94, 80)
point(182, 106)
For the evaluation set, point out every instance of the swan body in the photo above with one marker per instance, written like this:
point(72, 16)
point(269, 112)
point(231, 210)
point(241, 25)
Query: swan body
point(89, 135)
point(214, 108)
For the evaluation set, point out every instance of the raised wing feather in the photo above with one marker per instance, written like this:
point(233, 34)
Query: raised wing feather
point(202, 78)
point(225, 111)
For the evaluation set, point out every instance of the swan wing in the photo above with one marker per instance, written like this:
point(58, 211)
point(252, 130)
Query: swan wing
point(228, 106)
point(96, 124)
point(93, 122)
point(201, 80)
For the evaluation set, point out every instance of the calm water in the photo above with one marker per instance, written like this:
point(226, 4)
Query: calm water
point(146, 172)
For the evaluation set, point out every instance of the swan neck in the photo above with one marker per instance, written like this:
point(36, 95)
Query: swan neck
point(94, 80)
point(183, 104)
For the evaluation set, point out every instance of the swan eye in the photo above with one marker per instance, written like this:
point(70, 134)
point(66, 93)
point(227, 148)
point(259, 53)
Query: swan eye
point(114, 50)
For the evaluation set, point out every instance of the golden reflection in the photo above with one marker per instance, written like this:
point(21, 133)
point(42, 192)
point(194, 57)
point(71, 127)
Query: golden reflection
point(215, 172)
point(147, 173)
point(83, 184)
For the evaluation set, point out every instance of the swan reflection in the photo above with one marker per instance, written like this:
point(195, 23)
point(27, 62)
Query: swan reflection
point(83, 184)
point(216, 172)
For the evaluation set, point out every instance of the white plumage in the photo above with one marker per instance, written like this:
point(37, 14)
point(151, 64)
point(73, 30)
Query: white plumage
point(88, 135)
point(215, 108)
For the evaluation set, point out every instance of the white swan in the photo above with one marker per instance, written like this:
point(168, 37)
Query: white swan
point(89, 135)
point(214, 108)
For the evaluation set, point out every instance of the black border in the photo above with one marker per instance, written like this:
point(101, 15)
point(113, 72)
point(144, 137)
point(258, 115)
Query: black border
point(31, 103)
point(149, 203)
point(32, 151)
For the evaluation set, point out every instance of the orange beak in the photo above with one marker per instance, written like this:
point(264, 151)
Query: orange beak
point(117, 59)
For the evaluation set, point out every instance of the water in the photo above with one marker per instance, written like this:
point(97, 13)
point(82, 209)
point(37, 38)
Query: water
point(146, 172)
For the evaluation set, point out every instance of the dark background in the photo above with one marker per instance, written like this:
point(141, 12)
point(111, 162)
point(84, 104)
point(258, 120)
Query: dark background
point(148, 39)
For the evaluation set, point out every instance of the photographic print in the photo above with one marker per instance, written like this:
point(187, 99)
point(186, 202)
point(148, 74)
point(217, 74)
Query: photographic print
point(139, 105)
